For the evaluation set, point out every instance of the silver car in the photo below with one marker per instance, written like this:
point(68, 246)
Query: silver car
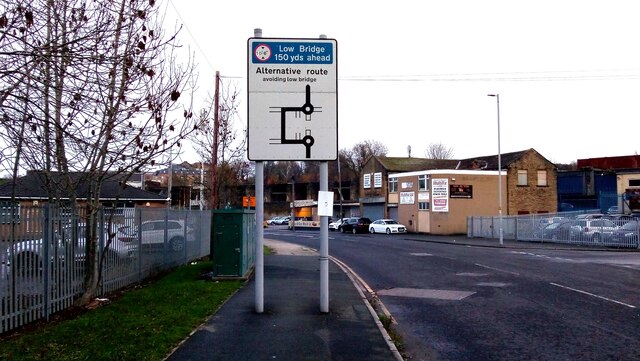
point(26, 257)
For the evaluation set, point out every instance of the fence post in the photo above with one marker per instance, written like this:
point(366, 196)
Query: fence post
point(139, 241)
point(185, 235)
point(46, 234)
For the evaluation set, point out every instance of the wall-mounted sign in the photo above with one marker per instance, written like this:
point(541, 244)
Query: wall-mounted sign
point(407, 197)
point(440, 195)
point(461, 191)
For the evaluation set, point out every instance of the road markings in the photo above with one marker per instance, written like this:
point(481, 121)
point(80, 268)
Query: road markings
point(449, 295)
point(497, 269)
point(420, 254)
point(592, 294)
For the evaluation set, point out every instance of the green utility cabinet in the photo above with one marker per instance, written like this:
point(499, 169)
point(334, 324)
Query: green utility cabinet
point(233, 243)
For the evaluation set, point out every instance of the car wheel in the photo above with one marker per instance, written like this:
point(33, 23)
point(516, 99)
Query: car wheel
point(177, 244)
point(110, 262)
point(388, 231)
point(341, 229)
point(354, 231)
point(28, 264)
point(371, 230)
point(596, 238)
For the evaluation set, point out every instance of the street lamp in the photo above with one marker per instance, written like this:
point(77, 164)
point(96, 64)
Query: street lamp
point(499, 171)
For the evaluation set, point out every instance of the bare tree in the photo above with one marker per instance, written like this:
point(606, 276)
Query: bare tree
point(230, 161)
point(438, 151)
point(355, 158)
point(359, 154)
point(90, 90)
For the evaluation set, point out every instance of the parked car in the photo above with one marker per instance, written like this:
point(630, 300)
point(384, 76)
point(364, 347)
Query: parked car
point(355, 225)
point(335, 225)
point(543, 222)
point(554, 231)
point(26, 256)
point(613, 210)
point(283, 220)
point(596, 230)
point(589, 216)
point(153, 233)
point(274, 220)
point(387, 226)
point(627, 235)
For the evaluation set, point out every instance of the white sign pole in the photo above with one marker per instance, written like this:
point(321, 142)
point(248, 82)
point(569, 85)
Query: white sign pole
point(259, 295)
point(324, 243)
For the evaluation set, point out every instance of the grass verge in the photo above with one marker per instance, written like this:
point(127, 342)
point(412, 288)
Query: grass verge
point(143, 324)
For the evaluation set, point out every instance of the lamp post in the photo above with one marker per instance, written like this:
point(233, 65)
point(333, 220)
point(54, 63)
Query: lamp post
point(499, 172)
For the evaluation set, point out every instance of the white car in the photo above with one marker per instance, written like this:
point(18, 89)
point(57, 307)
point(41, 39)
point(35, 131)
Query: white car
point(335, 225)
point(153, 233)
point(387, 226)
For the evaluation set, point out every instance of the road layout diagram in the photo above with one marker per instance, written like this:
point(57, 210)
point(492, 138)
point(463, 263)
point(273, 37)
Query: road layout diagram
point(306, 109)
point(292, 99)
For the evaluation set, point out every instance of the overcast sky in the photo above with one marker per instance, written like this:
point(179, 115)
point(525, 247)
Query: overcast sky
point(412, 73)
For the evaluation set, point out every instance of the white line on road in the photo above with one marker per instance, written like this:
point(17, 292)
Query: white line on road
point(591, 294)
point(497, 269)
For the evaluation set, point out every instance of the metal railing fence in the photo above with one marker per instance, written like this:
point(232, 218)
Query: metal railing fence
point(43, 264)
point(589, 228)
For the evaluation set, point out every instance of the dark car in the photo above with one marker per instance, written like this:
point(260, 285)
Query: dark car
point(627, 235)
point(355, 225)
point(554, 231)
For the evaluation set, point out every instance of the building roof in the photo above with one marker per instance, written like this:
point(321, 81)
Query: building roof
point(490, 162)
point(620, 162)
point(405, 164)
point(32, 186)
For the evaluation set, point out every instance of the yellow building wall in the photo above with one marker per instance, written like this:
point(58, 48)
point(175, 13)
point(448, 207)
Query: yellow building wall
point(483, 203)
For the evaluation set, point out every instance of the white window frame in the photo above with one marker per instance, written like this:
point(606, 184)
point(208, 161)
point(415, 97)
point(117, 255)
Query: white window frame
point(377, 180)
point(366, 183)
point(423, 206)
point(393, 185)
point(423, 182)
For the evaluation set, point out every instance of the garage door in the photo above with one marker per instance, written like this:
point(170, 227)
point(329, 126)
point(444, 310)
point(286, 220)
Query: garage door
point(373, 212)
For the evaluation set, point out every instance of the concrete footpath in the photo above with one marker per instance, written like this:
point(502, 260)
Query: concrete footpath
point(292, 326)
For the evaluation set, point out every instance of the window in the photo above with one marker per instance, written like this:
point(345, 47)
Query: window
point(423, 206)
point(8, 210)
point(423, 182)
point(522, 178)
point(377, 180)
point(634, 182)
point(367, 181)
point(542, 178)
point(393, 185)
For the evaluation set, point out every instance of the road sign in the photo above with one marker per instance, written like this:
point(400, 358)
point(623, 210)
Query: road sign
point(292, 99)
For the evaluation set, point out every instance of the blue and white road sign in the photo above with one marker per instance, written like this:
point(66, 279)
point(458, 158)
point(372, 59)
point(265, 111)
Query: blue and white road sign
point(292, 99)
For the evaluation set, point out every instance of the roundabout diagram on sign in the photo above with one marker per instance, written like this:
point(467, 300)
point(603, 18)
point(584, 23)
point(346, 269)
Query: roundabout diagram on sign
point(303, 112)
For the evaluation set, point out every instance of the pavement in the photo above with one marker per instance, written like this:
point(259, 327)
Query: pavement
point(292, 326)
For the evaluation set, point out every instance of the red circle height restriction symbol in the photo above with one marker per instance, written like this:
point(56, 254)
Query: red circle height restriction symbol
point(262, 52)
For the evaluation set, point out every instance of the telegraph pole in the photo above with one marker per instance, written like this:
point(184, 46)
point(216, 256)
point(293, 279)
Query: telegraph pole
point(214, 151)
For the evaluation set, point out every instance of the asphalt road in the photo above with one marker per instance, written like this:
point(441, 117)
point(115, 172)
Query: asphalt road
point(460, 302)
